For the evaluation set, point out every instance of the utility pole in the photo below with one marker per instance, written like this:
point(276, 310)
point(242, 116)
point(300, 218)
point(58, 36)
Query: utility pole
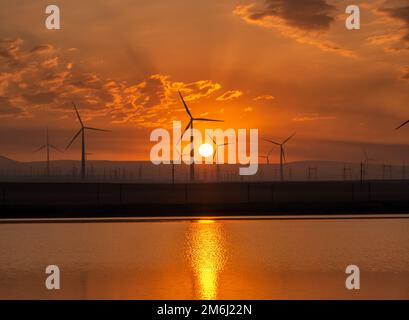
point(362, 172)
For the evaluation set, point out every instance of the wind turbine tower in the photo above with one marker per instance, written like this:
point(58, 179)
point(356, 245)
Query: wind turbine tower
point(216, 154)
point(82, 133)
point(47, 146)
point(282, 153)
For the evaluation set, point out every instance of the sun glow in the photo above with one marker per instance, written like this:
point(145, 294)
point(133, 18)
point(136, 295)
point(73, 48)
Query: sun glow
point(205, 150)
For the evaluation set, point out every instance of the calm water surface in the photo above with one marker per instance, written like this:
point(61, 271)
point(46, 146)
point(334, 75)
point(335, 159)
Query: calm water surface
point(206, 259)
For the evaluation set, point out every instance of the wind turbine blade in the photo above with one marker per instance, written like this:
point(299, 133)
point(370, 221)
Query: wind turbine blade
point(273, 142)
point(95, 129)
point(214, 141)
point(226, 144)
point(283, 152)
point(205, 119)
point(288, 139)
point(184, 131)
point(403, 124)
point(55, 148)
point(78, 114)
point(186, 107)
point(73, 139)
point(39, 149)
point(187, 128)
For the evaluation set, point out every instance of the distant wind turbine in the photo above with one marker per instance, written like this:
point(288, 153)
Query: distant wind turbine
point(282, 153)
point(82, 133)
point(47, 146)
point(367, 158)
point(267, 157)
point(216, 154)
point(190, 125)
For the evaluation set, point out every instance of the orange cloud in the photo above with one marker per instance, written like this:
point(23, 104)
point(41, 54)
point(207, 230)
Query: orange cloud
point(313, 117)
point(198, 89)
point(306, 31)
point(39, 79)
point(264, 97)
point(230, 95)
point(153, 101)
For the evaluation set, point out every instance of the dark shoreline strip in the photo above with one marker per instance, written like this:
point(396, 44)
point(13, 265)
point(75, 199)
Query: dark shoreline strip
point(102, 200)
point(195, 219)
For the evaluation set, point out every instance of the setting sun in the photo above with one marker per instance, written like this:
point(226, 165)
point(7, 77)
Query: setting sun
point(206, 150)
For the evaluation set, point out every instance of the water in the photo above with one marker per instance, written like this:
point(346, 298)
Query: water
point(206, 259)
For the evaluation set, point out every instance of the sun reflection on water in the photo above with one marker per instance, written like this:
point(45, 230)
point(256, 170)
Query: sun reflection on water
point(207, 253)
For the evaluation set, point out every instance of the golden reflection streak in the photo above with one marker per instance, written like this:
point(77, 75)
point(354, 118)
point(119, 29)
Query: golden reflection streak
point(207, 252)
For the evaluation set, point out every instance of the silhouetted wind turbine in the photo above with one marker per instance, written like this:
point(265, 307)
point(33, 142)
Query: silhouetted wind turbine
point(267, 157)
point(217, 146)
point(82, 133)
point(282, 153)
point(190, 125)
point(47, 146)
point(216, 154)
point(366, 157)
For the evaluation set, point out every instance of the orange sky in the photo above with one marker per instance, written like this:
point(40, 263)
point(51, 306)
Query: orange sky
point(279, 66)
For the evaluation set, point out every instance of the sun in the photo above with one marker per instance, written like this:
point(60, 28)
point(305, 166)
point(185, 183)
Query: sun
point(205, 150)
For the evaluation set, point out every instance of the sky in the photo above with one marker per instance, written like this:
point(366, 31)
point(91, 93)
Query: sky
point(281, 66)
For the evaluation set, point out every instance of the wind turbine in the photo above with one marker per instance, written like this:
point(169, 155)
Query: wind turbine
point(216, 154)
point(47, 146)
point(267, 157)
point(282, 153)
point(366, 157)
point(190, 126)
point(82, 133)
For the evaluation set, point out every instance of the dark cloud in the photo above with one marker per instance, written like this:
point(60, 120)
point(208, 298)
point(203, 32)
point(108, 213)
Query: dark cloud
point(41, 49)
point(308, 15)
point(9, 50)
point(401, 14)
point(304, 21)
